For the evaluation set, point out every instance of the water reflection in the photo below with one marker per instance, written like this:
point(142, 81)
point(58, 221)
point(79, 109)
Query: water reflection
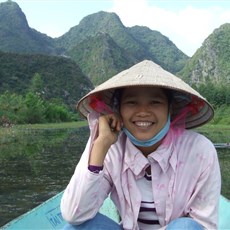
point(38, 164)
point(35, 166)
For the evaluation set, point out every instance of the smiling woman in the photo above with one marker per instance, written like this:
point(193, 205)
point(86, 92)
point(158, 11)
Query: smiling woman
point(140, 139)
point(145, 116)
point(144, 109)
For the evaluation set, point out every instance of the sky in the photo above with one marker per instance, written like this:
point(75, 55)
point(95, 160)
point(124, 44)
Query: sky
point(187, 23)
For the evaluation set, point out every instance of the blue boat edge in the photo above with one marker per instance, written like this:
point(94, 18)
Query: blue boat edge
point(48, 215)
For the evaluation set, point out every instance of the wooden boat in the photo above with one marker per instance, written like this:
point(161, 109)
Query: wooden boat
point(48, 215)
point(222, 145)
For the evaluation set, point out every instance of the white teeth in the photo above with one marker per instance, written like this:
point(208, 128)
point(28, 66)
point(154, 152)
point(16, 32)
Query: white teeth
point(143, 123)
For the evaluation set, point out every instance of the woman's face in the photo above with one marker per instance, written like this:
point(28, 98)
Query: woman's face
point(144, 111)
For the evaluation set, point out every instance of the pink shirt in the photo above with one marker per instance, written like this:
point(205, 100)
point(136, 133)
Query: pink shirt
point(185, 180)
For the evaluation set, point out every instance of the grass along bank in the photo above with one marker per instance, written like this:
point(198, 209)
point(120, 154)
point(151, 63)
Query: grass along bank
point(62, 125)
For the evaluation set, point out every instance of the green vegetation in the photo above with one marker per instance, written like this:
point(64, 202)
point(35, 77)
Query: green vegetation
point(219, 96)
point(92, 57)
point(40, 88)
point(16, 35)
point(34, 106)
point(49, 76)
point(38, 92)
point(222, 115)
point(16, 130)
point(220, 134)
point(60, 125)
point(224, 160)
point(102, 47)
point(119, 46)
point(170, 58)
point(31, 109)
point(210, 62)
point(219, 42)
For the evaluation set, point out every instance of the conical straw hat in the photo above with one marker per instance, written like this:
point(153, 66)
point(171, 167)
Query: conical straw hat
point(149, 74)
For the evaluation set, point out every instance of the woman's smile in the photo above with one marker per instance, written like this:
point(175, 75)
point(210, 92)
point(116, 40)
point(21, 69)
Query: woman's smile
point(143, 124)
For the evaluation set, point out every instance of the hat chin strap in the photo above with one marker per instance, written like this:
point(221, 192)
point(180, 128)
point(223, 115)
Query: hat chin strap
point(158, 137)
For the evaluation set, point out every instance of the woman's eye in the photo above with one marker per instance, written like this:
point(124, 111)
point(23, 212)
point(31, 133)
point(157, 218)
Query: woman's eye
point(131, 102)
point(155, 102)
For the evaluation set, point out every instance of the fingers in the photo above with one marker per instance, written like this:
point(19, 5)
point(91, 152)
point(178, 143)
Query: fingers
point(112, 121)
point(109, 128)
point(115, 122)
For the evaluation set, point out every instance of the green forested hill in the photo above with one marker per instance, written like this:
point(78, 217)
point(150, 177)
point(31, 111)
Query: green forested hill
point(208, 70)
point(16, 36)
point(211, 61)
point(61, 77)
point(101, 22)
point(99, 56)
point(96, 49)
point(159, 48)
point(119, 47)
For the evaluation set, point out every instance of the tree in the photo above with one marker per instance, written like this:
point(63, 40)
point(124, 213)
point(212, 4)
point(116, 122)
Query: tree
point(37, 85)
point(35, 109)
point(11, 106)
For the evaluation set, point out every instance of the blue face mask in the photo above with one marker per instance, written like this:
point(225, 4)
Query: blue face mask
point(159, 136)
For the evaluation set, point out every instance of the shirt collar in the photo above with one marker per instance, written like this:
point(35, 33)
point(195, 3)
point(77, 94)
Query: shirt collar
point(135, 160)
point(164, 156)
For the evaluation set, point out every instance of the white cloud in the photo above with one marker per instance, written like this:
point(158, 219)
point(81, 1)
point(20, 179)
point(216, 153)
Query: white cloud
point(187, 27)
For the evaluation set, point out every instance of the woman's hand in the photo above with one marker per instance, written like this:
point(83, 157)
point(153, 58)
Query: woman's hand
point(108, 130)
point(109, 127)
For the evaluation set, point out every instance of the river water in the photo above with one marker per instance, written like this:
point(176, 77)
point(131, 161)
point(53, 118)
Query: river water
point(35, 166)
point(38, 163)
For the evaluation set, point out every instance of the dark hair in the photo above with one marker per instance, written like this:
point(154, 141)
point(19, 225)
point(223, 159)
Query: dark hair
point(169, 94)
point(116, 99)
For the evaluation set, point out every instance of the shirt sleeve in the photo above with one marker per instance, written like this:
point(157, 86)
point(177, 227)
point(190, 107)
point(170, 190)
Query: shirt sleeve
point(86, 191)
point(205, 199)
